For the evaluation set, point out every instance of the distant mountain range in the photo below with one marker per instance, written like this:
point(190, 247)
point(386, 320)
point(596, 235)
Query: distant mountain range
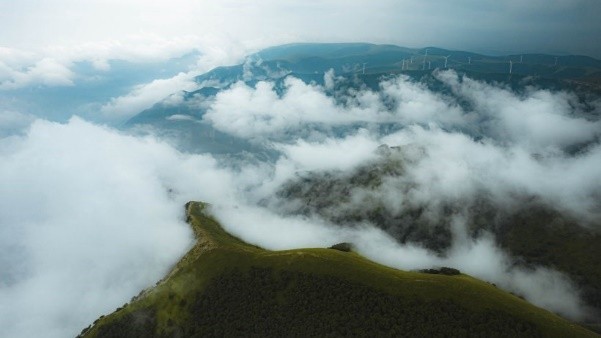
point(366, 64)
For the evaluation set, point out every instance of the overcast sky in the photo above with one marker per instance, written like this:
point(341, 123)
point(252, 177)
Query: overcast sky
point(110, 28)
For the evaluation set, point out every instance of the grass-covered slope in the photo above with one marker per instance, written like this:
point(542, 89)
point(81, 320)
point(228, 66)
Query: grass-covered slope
point(532, 232)
point(225, 287)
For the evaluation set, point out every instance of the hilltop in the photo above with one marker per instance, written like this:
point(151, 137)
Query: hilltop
point(224, 286)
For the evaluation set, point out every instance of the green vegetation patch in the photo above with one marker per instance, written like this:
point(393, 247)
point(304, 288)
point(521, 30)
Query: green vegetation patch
point(225, 287)
point(284, 303)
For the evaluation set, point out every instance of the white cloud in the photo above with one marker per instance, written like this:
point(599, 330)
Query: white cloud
point(47, 71)
point(14, 57)
point(271, 231)
point(51, 65)
point(89, 217)
point(13, 121)
point(341, 154)
point(101, 64)
point(415, 103)
point(521, 150)
point(245, 111)
point(145, 96)
point(180, 117)
point(139, 47)
point(539, 120)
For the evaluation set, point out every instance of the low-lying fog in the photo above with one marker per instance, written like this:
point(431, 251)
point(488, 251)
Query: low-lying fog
point(90, 215)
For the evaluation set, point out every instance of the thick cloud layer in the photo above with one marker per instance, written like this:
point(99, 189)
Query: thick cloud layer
point(46, 71)
point(90, 216)
point(505, 142)
point(452, 154)
point(12, 122)
point(145, 96)
point(537, 119)
point(260, 111)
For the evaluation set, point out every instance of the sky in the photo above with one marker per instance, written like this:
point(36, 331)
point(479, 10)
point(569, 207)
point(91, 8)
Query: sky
point(69, 29)
point(45, 44)
point(90, 214)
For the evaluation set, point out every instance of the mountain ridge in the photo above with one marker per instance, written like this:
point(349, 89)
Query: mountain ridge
point(184, 302)
point(310, 62)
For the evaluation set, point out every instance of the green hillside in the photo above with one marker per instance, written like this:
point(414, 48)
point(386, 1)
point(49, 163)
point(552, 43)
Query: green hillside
point(225, 287)
point(532, 232)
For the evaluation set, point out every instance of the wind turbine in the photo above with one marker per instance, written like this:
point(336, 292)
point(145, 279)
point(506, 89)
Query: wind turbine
point(364, 63)
point(510, 66)
point(446, 58)
point(521, 58)
point(425, 56)
point(429, 64)
point(469, 60)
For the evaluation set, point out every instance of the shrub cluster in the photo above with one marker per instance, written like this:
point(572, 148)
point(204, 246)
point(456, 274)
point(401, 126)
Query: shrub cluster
point(442, 271)
point(346, 247)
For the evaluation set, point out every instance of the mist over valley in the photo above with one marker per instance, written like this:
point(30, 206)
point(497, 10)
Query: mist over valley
point(453, 171)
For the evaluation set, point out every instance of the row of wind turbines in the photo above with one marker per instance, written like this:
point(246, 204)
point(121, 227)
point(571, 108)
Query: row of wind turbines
point(406, 63)
point(511, 62)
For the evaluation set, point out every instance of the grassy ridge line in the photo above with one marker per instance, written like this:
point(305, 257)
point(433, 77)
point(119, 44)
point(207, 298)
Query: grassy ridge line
point(213, 251)
point(217, 253)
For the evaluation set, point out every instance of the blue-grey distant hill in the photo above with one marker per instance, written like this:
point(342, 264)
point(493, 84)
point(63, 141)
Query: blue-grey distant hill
point(365, 64)
point(308, 58)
